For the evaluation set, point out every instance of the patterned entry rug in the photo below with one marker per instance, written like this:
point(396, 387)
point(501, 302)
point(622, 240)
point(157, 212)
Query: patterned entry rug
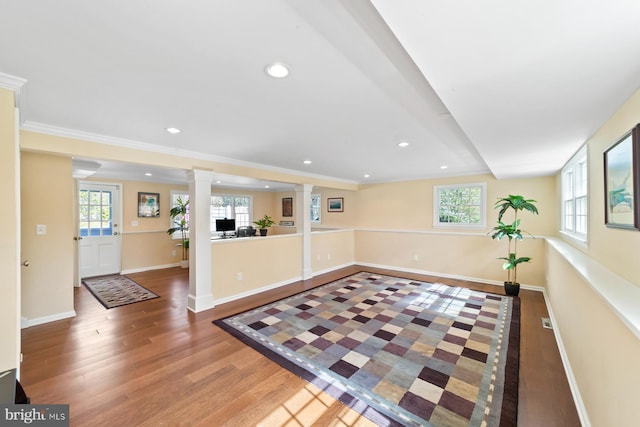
point(401, 352)
point(117, 290)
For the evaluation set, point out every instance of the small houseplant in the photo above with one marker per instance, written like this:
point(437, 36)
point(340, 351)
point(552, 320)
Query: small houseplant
point(263, 224)
point(180, 217)
point(512, 232)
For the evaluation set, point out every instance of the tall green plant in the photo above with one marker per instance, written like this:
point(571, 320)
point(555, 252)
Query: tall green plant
point(512, 231)
point(180, 216)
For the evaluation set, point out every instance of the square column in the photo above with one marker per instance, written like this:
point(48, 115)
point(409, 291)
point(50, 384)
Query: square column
point(200, 295)
point(303, 219)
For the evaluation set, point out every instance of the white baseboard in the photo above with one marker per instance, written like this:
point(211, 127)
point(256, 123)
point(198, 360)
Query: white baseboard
point(279, 284)
point(198, 304)
point(573, 385)
point(26, 323)
point(430, 273)
point(448, 276)
point(257, 291)
point(153, 267)
point(337, 267)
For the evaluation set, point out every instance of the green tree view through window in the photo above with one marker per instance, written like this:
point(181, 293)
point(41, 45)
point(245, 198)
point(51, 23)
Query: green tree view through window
point(460, 205)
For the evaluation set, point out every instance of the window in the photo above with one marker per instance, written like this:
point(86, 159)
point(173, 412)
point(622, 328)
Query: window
point(231, 206)
point(462, 205)
point(315, 207)
point(574, 196)
point(96, 212)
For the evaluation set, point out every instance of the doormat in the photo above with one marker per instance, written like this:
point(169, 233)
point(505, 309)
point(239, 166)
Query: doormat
point(117, 290)
point(400, 351)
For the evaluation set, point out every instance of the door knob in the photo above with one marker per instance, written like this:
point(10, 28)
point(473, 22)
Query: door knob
point(26, 263)
point(77, 238)
point(116, 233)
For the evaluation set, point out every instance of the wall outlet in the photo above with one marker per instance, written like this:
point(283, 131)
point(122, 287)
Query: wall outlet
point(134, 223)
point(415, 257)
point(329, 256)
point(239, 276)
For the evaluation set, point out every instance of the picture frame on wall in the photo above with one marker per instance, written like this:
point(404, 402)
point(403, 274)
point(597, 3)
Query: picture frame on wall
point(287, 206)
point(148, 205)
point(621, 181)
point(335, 204)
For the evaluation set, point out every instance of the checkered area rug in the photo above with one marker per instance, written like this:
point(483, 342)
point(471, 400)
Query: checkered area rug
point(117, 290)
point(404, 352)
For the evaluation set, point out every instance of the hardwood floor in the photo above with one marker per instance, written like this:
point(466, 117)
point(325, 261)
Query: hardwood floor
point(155, 363)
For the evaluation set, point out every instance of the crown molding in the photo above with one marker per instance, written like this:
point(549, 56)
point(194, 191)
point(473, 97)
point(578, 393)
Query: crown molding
point(172, 151)
point(17, 85)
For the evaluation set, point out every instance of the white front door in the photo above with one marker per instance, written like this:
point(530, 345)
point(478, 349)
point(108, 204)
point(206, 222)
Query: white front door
point(99, 229)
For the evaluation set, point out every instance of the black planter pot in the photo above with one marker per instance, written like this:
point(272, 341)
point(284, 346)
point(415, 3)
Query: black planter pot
point(511, 288)
point(263, 231)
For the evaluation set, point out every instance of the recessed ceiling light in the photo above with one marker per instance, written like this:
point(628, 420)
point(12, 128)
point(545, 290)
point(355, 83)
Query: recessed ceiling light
point(277, 70)
point(403, 144)
point(266, 186)
point(366, 175)
point(307, 162)
point(148, 174)
point(218, 182)
point(443, 167)
point(173, 130)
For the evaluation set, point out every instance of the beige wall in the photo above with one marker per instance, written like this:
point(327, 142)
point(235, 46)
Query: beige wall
point(601, 349)
point(242, 266)
point(145, 242)
point(332, 249)
point(409, 204)
point(616, 248)
point(9, 244)
point(47, 199)
point(471, 256)
point(396, 226)
point(346, 219)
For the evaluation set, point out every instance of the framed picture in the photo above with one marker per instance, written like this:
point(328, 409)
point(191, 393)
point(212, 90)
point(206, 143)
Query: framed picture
point(148, 205)
point(621, 181)
point(287, 206)
point(335, 204)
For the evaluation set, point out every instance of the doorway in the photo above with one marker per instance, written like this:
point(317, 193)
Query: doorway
point(99, 248)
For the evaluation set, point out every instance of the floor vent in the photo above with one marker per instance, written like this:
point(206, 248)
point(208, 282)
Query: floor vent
point(546, 323)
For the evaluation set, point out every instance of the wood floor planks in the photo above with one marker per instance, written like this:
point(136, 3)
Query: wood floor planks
point(155, 363)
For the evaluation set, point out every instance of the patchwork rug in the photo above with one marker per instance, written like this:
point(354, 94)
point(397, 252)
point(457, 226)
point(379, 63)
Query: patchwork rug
point(117, 290)
point(399, 351)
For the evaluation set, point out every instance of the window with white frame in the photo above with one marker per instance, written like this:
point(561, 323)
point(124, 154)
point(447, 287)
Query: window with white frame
point(231, 207)
point(174, 222)
point(315, 207)
point(575, 180)
point(461, 205)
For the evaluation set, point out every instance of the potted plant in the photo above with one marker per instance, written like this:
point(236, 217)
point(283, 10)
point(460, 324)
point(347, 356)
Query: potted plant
point(512, 232)
point(263, 224)
point(180, 216)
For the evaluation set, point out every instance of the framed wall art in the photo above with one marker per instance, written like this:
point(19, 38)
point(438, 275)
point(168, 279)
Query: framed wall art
point(287, 206)
point(621, 181)
point(148, 205)
point(335, 204)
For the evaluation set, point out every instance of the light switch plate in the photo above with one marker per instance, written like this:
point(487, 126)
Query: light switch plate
point(41, 229)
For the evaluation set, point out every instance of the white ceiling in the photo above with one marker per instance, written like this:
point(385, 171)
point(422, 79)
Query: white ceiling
point(506, 87)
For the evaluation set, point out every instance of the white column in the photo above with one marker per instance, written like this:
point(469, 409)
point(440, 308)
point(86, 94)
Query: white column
point(200, 295)
point(303, 225)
